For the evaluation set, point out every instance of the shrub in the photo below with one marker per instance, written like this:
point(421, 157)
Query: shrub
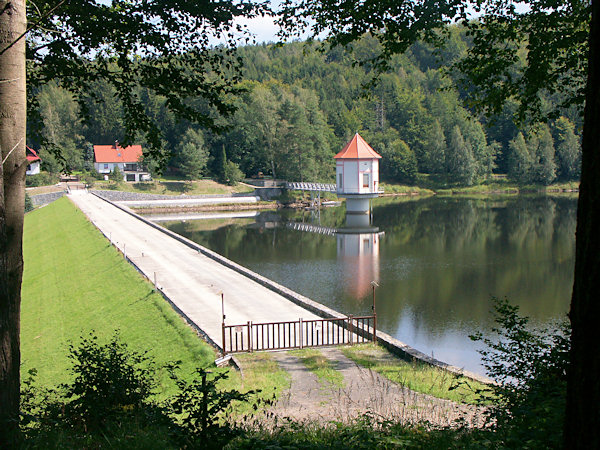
point(530, 367)
point(109, 379)
point(232, 175)
point(201, 408)
point(41, 179)
point(28, 203)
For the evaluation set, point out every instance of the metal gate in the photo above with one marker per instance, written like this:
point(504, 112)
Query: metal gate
point(251, 337)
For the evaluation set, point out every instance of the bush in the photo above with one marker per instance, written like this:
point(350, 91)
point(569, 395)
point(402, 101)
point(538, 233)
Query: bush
point(530, 367)
point(110, 403)
point(201, 408)
point(109, 379)
point(28, 203)
point(41, 179)
point(232, 175)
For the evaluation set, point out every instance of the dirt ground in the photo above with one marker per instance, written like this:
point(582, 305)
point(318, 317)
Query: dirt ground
point(364, 392)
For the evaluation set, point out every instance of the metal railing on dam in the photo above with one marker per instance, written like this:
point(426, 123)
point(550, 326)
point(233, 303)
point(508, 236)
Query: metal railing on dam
point(313, 187)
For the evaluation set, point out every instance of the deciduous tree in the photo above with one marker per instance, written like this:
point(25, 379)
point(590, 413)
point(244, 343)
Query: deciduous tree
point(164, 46)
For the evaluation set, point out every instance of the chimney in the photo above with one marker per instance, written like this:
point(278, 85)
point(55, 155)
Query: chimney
point(116, 144)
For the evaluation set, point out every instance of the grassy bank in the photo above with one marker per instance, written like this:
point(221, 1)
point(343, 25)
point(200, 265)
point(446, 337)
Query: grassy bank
point(164, 187)
point(75, 282)
point(419, 377)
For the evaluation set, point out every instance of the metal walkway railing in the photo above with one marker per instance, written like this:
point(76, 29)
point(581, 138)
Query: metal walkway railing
point(316, 187)
point(251, 337)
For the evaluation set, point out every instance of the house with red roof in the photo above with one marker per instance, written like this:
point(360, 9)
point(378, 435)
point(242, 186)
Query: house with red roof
point(33, 162)
point(127, 159)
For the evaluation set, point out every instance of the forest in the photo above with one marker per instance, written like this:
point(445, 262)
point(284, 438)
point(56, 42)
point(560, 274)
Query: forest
point(300, 103)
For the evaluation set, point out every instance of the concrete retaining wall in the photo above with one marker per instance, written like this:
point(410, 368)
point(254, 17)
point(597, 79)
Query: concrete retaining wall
point(395, 346)
point(119, 196)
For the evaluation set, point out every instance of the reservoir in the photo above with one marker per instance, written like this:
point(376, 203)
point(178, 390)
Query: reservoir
point(438, 262)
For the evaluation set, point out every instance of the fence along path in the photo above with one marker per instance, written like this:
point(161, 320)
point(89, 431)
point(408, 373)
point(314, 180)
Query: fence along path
point(298, 334)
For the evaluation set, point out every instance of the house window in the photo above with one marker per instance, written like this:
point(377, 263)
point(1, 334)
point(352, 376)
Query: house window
point(340, 185)
point(131, 167)
point(105, 166)
point(365, 180)
point(131, 177)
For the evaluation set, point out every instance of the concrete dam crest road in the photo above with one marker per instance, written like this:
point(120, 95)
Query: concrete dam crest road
point(191, 280)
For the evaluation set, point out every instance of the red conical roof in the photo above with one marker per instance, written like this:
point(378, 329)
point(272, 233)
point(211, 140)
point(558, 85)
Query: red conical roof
point(357, 148)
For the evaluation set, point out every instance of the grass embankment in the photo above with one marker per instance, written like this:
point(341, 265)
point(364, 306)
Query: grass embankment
point(419, 377)
point(164, 187)
point(75, 282)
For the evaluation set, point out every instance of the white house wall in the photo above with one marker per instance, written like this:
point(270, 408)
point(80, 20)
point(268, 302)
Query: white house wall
point(33, 168)
point(108, 167)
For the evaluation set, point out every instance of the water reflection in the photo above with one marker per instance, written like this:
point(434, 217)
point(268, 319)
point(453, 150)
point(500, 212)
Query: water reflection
point(438, 265)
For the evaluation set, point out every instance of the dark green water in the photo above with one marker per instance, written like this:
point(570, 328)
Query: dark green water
point(438, 263)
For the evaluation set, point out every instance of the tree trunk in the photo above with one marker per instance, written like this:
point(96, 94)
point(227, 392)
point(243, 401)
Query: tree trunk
point(582, 423)
point(12, 194)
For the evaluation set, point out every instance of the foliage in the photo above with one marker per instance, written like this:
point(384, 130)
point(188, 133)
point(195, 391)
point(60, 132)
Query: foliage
point(179, 60)
point(530, 368)
point(200, 407)
point(41, 179)
point(514, 53)
point(366, 432)
point(232, 174)
point(108, 379)
point(568, 150)
point(28, 203)
point(399, 163)
point(116, 176)
point(192, 156)
point(460, 163)
point(301, 106)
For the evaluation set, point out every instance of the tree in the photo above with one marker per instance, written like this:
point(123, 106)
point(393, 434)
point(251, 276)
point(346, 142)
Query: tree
point(164, 46)
point(568, 150)
point(192, 156)
point(519, 161)
point(437, 149)
point(399, 162)
point(541, 149)
point(460, 164)
point(561, 57)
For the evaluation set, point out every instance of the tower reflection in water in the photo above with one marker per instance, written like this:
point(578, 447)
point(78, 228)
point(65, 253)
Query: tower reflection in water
point(358, 254)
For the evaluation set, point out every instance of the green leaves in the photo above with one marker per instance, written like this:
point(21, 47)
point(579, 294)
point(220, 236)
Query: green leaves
point(165, 46)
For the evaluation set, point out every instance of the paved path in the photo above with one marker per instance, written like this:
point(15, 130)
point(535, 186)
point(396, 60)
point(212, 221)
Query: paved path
point(191, 280)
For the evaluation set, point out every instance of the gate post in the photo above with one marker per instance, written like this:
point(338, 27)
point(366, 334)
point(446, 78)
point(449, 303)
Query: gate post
point(375, 285)
point(223, 322)
point(350, 332)
point(250, 336)
point(301, 334)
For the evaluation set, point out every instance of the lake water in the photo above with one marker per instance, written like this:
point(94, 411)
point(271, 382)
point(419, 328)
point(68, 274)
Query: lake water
point(438, 262)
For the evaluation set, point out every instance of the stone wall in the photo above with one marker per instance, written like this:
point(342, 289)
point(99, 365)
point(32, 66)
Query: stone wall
point(118, 196)
point(44, 199)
